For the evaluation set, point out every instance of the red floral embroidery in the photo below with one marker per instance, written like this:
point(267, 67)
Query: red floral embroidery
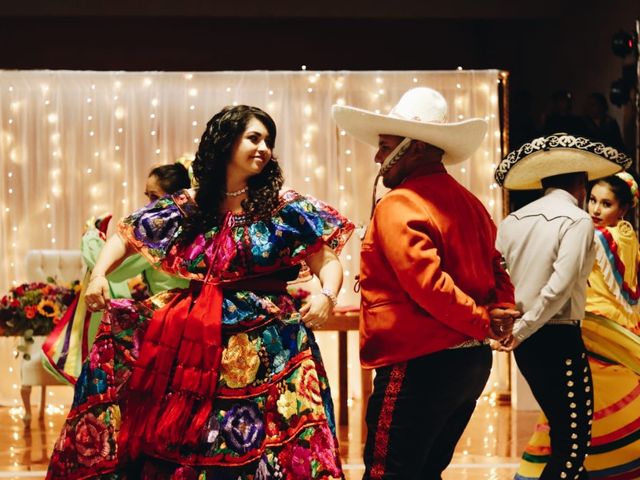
point(309, 383)
point(324, 450)
point(381, 446)
point(92, 440)
point(185, 473)
point(296, 461)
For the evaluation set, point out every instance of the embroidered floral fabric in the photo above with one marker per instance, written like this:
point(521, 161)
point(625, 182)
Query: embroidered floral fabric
point(298, 227)
point(272, 416)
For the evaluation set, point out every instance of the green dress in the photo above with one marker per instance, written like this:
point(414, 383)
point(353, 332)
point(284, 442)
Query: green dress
point(69, 343)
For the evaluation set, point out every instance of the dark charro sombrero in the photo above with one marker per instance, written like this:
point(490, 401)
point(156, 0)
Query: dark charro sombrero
point(557, 154)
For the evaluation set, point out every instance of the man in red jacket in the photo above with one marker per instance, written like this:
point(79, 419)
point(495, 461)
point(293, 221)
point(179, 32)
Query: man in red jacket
point(433, 287)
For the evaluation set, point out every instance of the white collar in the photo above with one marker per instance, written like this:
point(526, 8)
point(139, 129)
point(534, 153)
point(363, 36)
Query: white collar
point(561, 193)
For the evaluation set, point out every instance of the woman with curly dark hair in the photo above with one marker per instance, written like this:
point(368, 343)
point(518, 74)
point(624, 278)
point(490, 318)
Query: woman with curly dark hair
point(223, 379)
point(258, 194)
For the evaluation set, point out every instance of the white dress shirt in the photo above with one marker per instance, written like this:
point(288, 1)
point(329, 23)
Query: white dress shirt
point(549, 249)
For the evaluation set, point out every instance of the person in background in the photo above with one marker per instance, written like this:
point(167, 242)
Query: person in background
point(548, 246)
point(561, 117)
point(611, 334)
point(600, 126)
point(66, 348)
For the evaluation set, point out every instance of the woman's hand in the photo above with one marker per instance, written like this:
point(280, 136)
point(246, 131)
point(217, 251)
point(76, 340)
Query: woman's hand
point(97, 294)
point(326, 266)
point(113, 252)
point(316, 311)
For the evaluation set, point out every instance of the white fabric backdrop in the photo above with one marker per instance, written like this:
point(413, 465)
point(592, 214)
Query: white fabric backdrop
point(74, 144)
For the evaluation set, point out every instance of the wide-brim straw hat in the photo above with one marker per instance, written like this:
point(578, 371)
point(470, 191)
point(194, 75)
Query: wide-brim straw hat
point(557, 154)
point(421, 114)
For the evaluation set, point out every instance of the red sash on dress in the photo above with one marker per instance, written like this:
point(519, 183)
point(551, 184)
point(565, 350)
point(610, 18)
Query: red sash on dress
point(182, 345)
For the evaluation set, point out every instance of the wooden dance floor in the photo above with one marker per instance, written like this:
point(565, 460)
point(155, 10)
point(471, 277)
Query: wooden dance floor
point(489, 449)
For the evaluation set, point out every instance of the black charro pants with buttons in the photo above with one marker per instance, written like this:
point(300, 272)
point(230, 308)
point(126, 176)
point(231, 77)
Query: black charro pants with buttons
point(418, 411)
point(554, 362)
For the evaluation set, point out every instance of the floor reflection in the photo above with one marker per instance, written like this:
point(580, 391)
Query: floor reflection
point(489, 448)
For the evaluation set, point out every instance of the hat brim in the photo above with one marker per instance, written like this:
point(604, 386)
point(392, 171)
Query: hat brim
point(458, 140)
point(527, 174)
point(524, 168)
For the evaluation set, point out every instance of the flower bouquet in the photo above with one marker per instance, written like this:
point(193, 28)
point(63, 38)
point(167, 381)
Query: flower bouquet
point(34, 309)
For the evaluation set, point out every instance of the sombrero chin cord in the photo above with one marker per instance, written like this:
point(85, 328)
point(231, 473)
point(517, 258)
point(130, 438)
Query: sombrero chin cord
point(375, 189)
point(389, 162)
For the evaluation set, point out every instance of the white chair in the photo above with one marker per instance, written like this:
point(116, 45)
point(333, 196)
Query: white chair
point(63, 266)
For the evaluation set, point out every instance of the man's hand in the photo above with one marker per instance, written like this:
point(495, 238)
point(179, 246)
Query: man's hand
point(506, 345)
point(501, 323)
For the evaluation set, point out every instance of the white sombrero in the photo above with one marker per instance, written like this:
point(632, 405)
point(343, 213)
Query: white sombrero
point(557, 154)
point(421, 114)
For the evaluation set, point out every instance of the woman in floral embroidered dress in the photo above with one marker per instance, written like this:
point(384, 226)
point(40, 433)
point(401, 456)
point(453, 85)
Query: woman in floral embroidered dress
point(224, 379)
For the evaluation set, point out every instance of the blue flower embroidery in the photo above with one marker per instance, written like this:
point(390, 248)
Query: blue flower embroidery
point(157, 227)
point(280, 361)
point(99, 383)
point(80, 393)
point(261, 247)
point(271, 340)
point(289, 337)
point(243, 427)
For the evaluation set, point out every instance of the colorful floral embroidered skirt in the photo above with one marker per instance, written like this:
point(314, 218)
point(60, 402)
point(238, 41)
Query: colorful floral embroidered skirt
point(272, 415)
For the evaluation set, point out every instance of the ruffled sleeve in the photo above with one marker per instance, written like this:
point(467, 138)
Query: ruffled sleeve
point(613, 289)
point(298, 227)
point(303, 224)
point(154, 230)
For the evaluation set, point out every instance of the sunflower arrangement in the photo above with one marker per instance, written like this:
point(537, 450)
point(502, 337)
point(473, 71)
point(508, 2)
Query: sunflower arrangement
point(34, 309)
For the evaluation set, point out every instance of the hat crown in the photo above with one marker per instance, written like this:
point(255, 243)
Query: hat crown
point(421, 104)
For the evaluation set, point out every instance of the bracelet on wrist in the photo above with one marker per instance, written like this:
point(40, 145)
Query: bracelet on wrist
point(330, 295)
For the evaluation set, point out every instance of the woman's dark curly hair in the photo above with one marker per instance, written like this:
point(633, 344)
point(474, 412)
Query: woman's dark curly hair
point(210, 168)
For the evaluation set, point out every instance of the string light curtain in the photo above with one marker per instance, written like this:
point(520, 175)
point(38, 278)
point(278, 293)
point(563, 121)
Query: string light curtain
point(76, 144)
